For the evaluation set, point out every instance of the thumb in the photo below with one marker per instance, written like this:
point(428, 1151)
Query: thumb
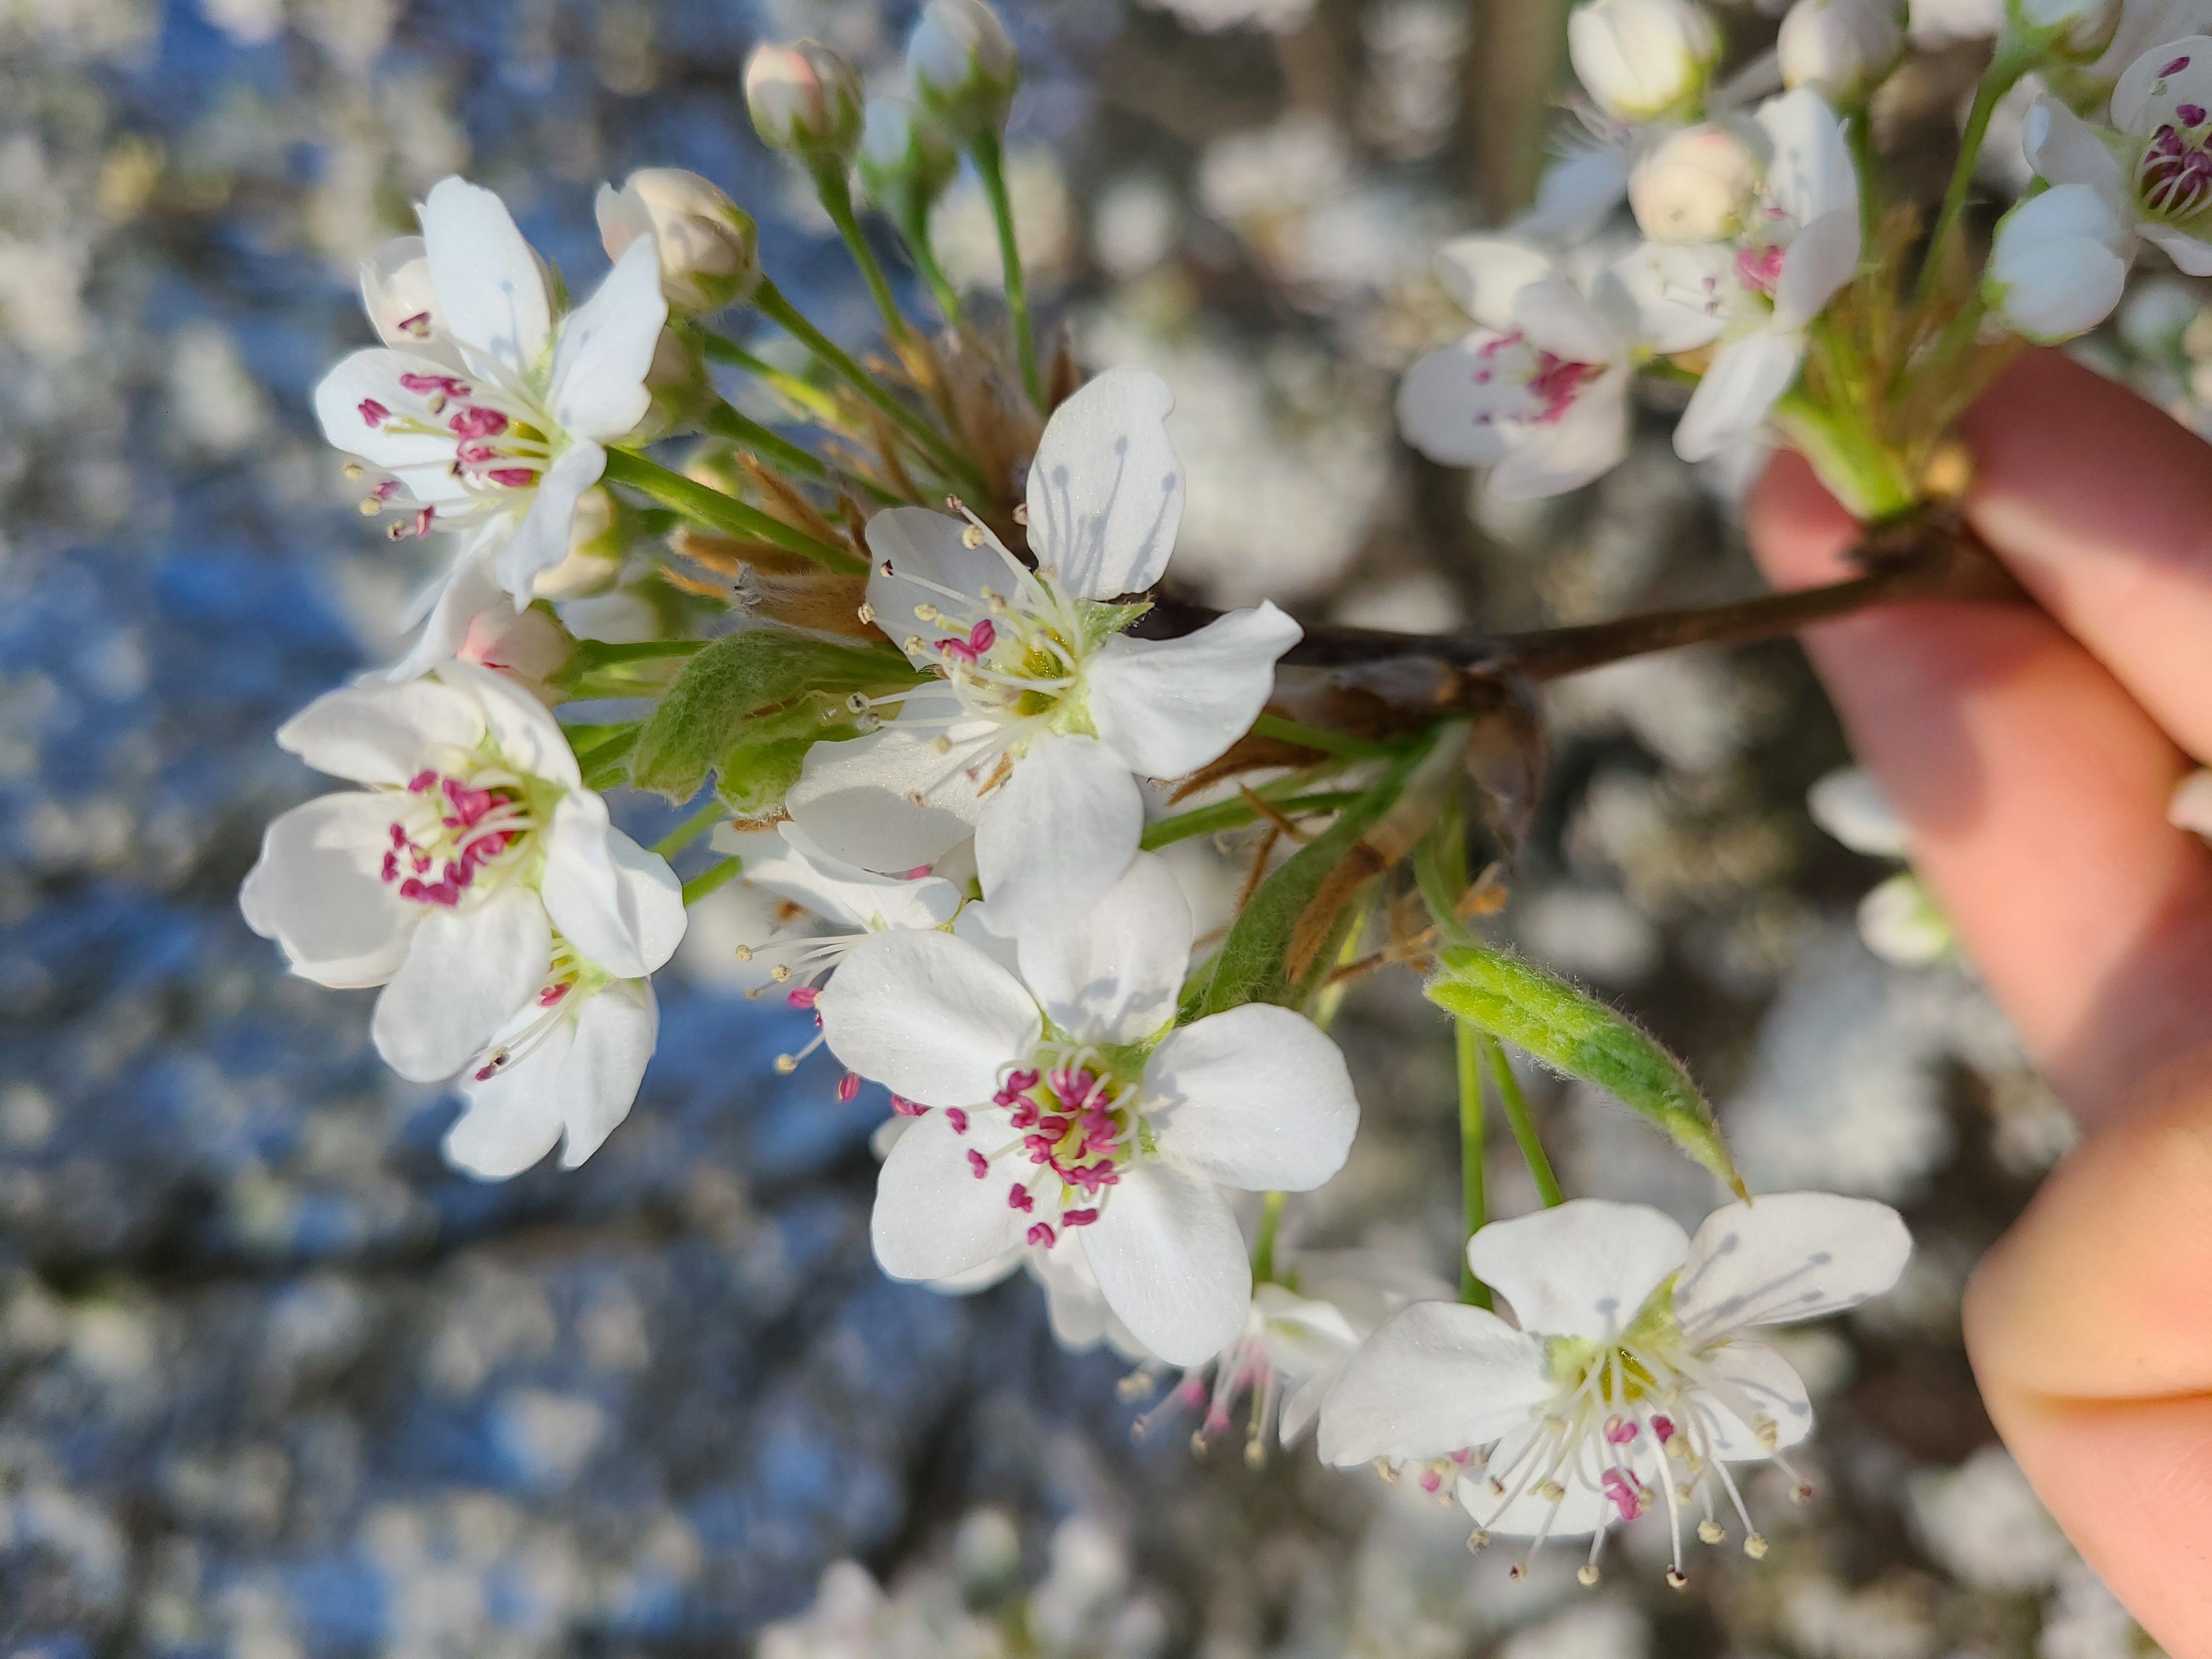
point(2090, 1326)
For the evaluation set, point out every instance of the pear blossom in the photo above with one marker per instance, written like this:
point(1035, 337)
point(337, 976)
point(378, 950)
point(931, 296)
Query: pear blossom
point(1696, 186)
point(1538, 392)
point(445, 878)
point(804, 98)
point(2080, 28)
point(1062, 1109)
point(1640, 59)
point(1044, 713)
point(1628, 1381)
point(2153, 164)
point(529, 647)
point(964, 66)
point(1751, 298)
point(566, 1068)
point(485, 413)
point(2059, 264)
point(709, 246)
point(1839, 48)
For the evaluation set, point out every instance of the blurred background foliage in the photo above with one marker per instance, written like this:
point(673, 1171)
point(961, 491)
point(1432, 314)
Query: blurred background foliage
point(274, 1383)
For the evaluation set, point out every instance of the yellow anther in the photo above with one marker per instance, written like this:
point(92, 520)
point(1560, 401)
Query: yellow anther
point(1711, 1532)
point(867, 613)
point(1477, 1541)
point(1587, 1574)
point(1754, 1546)
point(972, 536)
point(787, 1063)
point(1677, 1579)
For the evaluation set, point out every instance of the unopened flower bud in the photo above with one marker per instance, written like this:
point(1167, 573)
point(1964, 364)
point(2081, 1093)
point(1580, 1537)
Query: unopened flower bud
point(804, 98)
point(1639, 59)
point(964, 66)
point(1839, 48)
point(906, 158)
point(710, 250)
point(528, 647)
point(1696, 187)
point(2075, 29)
point(396, 292)
point(2059, 263)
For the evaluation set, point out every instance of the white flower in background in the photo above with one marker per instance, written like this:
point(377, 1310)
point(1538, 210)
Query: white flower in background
point(2077, 27)
point(2059, 264)
point(1642, 59)
point(1538, 392)
point(1065, 1112)
point(2153, 164)
point(1898, 920)
point(1933, 24)
point(565, 1069)
point(1751, 299)
point(2145, 24)
point(2191, 808)
point(1046, 714)
point(805, 97)
point(1630, 1384)
point(1698, 185)
point(964, 66)
point(487, 415)
point(444, 878)
point(1296, 1342)
point(1839, 48)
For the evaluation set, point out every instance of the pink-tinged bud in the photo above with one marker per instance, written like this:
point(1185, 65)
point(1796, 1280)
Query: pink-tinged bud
point(529, 647)
point(964, 66)
point(805, 97)
point(1697, 186)
point(709, 249)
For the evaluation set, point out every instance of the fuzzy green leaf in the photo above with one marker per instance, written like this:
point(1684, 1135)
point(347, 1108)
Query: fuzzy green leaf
point(753, 779)
point(1573, 1032)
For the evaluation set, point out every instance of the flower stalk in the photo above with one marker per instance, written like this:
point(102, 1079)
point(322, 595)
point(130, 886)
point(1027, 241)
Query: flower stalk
point(1516, 1103)
point(991, 164)
point(1475, 1198)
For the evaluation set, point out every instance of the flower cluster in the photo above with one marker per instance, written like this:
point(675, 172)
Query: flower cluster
point(900, 637)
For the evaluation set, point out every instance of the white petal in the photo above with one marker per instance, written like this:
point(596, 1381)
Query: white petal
point(1680, 295)
point(1484, 273)
point(2062, 148)
point(1578, 1512)
point(615, 1033)
point(1580, 1268)
point(996, 1270)
point(1441, 405)
point(2191, 256)
point(1787, 1257)
point(464, 591)
point(373, 376)
point(934, 1217)
point(511, 1118)
point(1301, 1335)
point(542, 540)
point(490, 292)
point(1556, 318)
point(853, 799)
point(1740, 387)
point(1256, 1097)
point(595, 908)
point(1168, 707)
point(927, 551)
point(522, 729)
point(1105, 492)
point(2145, 96)
point(375, 733)
point(1171, 1262)
point(318, 891)
point(395, 289)
point(846, 894)
point(1114, 976)
point(1575, 195)
point(605, 347)
point(1436, 1379)
point(2063, 288)
point(1057, 833)
point(1810, 172)
point(1754, 1383)
point(1585, 442)
point(465, 975)
point(652, 900)
point(1823, 258)
point(929, 1016)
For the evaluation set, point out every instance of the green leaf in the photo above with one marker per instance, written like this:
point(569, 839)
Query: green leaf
point(737, 679)
point(1573, 1032)
point(752, 780)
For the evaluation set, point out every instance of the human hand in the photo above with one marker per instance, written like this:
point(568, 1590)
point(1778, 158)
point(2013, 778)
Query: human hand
point(2032, 752)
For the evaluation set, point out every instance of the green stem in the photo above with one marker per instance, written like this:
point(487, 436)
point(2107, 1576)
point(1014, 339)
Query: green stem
point(914, 230)
point(1517, 1114)
point(1438, 891)
point(691, 828)
point(1330, 742)
point(991, 162)
point(713, 876)
point(1263, 1245)
point(2004, 73)
point(1473, 1192)
point(719, 511)
point(772, 304)
point(810, 400)
point(836, 193)
point(1235, 814)
point(1867, 161)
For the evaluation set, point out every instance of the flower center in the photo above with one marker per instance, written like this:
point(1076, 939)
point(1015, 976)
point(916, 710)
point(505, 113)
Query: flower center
point(447, 830)
point(1530, 386)
point(500, 444)
point(2173, 179)
point(569, 981)
point(1064, 1129)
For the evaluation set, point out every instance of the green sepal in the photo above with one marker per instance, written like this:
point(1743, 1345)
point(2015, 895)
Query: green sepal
point(741, 678)
point(753, 779)
point(1573, 1032)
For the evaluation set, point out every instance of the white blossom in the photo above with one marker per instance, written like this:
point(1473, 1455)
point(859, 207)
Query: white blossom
point(1065, 1111)
point(445, 877)
point(806, 97)
point(964, 66)
point(1045, 713)
point(2059, 264)
point(2153, 164)
point(709, 248)
point(1839, 48)
point(1640, 59)
point(1696, 186)
point(485, 413)
point(1629, 1382)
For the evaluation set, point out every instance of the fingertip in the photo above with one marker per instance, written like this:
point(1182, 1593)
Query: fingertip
point(1798, 531)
